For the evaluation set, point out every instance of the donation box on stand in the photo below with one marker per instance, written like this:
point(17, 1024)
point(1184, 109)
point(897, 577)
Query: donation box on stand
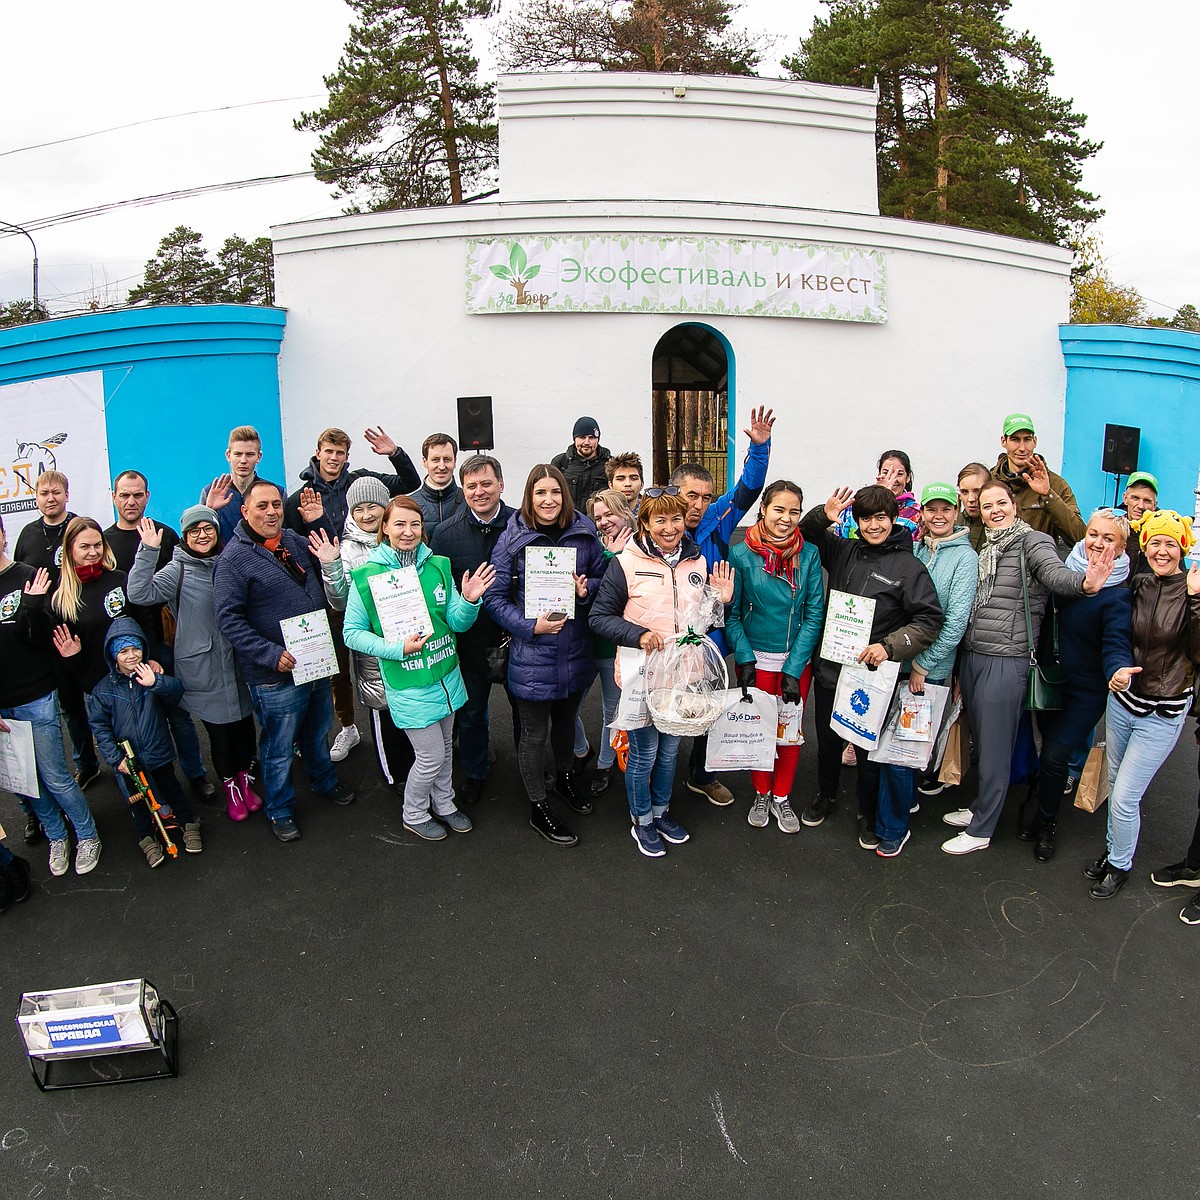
point(99, 1033)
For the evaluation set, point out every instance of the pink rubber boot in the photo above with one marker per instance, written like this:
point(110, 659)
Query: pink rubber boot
point(235, 806)
point(250, 797)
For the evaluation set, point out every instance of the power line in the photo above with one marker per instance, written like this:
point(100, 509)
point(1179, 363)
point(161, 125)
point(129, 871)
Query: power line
point(82, 214)
point(195, 112)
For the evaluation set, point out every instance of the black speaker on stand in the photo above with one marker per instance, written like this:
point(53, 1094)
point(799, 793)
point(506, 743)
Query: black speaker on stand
point(1121, 446)
point(475, 424)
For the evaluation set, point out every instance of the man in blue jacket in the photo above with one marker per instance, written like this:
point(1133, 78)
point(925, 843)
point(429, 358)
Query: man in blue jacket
point(264, 576)
point(711, 523)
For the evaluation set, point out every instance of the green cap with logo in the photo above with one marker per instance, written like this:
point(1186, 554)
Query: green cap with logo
point(939, 491)
point(1015, 422)
point(1143, 477)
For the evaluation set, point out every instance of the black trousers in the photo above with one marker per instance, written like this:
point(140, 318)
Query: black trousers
point(234, 746)
point(829, 760)
point(538, 716)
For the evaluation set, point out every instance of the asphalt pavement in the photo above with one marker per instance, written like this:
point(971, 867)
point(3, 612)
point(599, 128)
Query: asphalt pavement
point(365, 1014)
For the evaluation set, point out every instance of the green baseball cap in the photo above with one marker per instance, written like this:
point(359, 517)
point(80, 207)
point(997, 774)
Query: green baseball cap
point(1143, 477)
point(939, 491)
point(1015, 422)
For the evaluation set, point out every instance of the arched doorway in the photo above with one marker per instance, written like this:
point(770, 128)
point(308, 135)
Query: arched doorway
point(692, 376)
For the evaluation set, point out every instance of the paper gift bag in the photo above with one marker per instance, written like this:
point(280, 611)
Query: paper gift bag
point(1093, 783)
point(956, 761)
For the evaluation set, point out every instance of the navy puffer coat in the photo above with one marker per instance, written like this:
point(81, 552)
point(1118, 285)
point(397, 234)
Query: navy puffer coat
point(549, 666)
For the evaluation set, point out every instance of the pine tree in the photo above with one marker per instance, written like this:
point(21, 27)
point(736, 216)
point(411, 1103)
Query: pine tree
point(180, 272)
point(968, 131)
point(22, 312)
point(691, 36)
point(408, 122)
point(248, 270)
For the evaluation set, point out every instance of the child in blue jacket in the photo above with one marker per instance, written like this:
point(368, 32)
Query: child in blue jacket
point(127, 705)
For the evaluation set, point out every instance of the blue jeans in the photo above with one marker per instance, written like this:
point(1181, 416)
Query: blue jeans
point(1137, 747)
point(290, 714)
point(897, 794)
point(650, 772)
point(58, 792)
point(473, 724)
point(187, 741)
point(610, 697)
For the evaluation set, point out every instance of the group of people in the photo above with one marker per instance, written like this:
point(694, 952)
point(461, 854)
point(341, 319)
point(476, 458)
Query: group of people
point(132, 632)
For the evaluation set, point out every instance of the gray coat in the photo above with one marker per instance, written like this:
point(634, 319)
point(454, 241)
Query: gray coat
point(205, 664)
point(998, 627)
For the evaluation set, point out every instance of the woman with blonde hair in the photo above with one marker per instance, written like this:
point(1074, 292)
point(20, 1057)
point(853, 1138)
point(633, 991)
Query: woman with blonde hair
point(614, 520)
point(91, 595)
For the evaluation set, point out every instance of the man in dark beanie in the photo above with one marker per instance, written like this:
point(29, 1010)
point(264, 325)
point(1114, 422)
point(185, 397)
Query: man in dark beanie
point(583, 462)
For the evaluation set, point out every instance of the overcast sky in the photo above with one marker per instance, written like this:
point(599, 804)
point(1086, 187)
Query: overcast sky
point(70, 67)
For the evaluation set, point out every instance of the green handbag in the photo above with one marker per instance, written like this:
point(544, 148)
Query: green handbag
point(1043, 688)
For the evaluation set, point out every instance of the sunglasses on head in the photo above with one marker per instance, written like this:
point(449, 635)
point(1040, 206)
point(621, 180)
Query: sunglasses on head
point(655, 492)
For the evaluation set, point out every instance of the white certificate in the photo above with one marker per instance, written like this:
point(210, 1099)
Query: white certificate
point(18, 766)
point(308, 640)
point(400, 604)
point(549, 582)
point(848, 620)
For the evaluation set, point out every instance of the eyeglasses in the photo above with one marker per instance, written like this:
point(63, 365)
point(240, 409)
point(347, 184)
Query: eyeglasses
point(655, 492)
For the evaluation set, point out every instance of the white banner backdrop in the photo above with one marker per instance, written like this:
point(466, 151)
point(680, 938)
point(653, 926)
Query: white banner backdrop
point(54, 425)
point(676, 274)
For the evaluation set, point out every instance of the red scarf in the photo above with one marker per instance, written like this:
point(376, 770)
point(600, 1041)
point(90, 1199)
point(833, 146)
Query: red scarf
point(89, 572)
point(779, 557)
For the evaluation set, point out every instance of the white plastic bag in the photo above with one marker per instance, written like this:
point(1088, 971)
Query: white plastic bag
point(632, 712)
point(743, 737)
point(790, 718)
point(861, 702)
point(893, 748)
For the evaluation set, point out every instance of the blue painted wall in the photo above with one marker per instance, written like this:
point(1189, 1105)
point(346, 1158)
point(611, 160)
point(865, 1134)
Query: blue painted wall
point(177, 378)
point(1131, 375)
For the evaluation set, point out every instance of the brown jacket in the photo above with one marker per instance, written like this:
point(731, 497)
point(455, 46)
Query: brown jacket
point(1056, 514)
point(1166, 635)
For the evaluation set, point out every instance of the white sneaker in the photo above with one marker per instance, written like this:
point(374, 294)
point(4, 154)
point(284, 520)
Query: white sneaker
point(346, 740)
point(760, 812)
point(964, 843)
point(87, 855)
point(960, 818)
point(60, 856)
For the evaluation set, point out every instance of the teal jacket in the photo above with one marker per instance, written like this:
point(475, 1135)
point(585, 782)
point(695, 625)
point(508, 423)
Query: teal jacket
point(421, 705)
point(768, 615)
point(954, 568)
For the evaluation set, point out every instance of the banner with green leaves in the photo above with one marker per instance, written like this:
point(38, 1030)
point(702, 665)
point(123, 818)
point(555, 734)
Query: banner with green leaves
point(642, 273)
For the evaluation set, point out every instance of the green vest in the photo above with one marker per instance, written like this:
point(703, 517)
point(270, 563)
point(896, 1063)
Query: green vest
point(439, 655)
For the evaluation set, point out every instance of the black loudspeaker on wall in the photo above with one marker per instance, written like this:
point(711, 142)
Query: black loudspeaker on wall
point(475, 423)
point(1121, 444)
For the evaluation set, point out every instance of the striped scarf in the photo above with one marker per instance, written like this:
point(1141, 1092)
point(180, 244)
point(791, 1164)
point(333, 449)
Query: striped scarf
point(995, 543)
point(779, 557)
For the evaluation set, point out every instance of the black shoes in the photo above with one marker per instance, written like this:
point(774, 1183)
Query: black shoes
point(33, 830)
point(1191, 911)
point(817, 811)
point(541, 818)
point(1027, 818)
point(14, 883)
point(340, 795)
point(1176, 875)
point(285, 829)
point(1095, 870)
point(600, 782)
point(1109, 884)
point(86, 776)
point(567, 785)
point(868, 839)
point(203, 788)
point(1043, 851)
point(472, 791)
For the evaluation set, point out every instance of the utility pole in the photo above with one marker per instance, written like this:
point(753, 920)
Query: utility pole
point(18, 229)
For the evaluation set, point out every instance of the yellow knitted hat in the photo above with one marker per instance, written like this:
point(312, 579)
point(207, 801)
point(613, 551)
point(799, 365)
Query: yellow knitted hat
point(1167, 523)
